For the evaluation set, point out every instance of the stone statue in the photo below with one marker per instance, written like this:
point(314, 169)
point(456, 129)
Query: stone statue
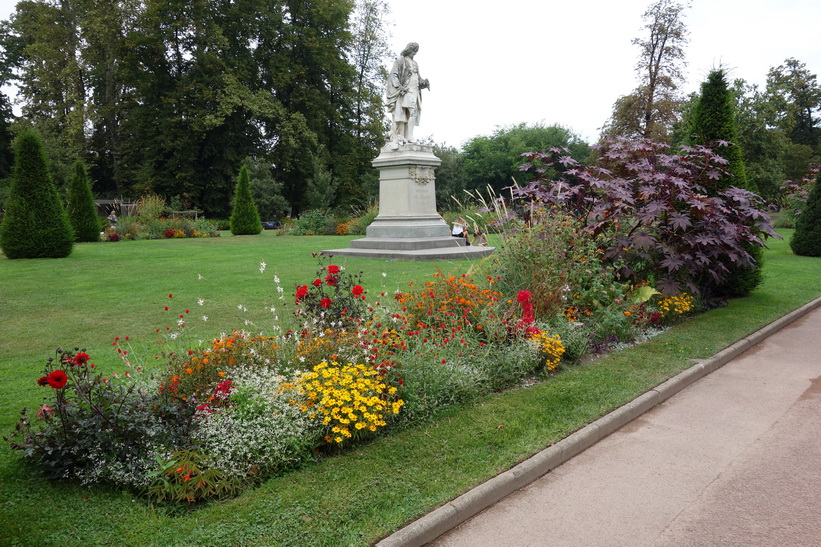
point(404, 97)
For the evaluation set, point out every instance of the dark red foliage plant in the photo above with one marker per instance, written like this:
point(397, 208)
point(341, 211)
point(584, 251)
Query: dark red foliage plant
point(651, 211)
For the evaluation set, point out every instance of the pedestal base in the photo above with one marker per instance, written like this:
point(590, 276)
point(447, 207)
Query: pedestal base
point(408, 226)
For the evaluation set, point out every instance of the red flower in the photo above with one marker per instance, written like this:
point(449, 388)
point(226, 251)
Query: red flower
point(357, 290)
point(57, 379)
point(331, 280)
point(524, 296)
point(333, 269)
point(81, 359)
point(43, 381)
point(223, 389)
point(301, 292)
point(170, 295)
point(316, 282)
point(325, 302)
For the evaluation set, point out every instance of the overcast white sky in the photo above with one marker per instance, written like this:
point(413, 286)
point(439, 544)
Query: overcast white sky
point(493, 64)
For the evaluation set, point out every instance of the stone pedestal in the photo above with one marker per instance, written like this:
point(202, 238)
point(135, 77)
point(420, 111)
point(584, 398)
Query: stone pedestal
point(408, 226)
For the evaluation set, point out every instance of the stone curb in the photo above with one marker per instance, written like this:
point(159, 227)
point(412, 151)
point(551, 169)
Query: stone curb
point(455, 512)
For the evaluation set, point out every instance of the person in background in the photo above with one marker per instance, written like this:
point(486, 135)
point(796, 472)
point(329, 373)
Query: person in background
point(460, 229)
point(112, 219)
point(480, 239)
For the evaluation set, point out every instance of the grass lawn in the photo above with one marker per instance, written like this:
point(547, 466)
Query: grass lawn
point(116, 289)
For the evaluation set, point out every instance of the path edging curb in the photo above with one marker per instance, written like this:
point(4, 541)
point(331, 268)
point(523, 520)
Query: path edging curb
point(455, 512)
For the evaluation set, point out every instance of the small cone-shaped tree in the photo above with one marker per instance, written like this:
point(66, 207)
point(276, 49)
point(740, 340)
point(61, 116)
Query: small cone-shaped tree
point(81, 209)
point(806, 241)
point(714, 124)
point(35, 224)
point(244, 216)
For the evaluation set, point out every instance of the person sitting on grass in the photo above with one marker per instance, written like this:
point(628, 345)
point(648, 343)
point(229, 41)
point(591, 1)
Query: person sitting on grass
point(480, 239)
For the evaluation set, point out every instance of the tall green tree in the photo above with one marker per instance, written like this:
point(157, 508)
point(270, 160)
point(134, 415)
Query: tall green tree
point(651, 109)
point(795, 99)
point(714, 124)
point(266, 190)
point(35, 225)
point(495, 160)
point(244, 216)
point(82, 212)
point(451, 180)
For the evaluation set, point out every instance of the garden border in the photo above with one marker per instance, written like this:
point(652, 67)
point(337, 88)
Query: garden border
point(455, 512)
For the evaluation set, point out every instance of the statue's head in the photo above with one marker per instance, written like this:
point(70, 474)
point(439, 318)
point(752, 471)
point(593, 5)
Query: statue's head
point(412, 47)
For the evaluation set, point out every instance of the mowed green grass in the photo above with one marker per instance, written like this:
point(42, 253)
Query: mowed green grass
point(107, 290)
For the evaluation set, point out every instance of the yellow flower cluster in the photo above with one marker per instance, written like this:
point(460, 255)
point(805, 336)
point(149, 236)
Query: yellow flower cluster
point(551, 348)
point(672, 306)
point(349, 399)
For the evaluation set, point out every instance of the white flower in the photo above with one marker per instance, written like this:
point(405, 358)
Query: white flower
point(262, 267)
point(205, 318)
point(276, 279)
point(200, 277)
point(200, 301)
point(384, 274)
point(173, 335)
point(280, 289)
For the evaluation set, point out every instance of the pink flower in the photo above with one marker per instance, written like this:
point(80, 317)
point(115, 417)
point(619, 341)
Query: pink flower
point(44, 412)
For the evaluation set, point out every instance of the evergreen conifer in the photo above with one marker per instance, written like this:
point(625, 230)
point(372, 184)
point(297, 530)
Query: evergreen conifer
point(81, 209)
point(806, 240)
point(35, 224)
point(244, 216)
point(713, 123)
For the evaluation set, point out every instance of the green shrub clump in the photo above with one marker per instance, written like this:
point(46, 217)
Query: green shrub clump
point(35, 225)
point(81, 209)
point(244, 216)
point(806, 241)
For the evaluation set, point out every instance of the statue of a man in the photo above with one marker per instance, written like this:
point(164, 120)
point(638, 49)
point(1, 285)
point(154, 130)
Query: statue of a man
point(404, 97)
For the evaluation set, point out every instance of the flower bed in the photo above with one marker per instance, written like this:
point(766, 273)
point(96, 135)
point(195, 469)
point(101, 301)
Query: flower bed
point(214, 420)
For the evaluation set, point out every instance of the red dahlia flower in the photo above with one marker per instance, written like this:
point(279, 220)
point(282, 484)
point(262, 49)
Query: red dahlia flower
point(42, 381)
point(331, 280)
point(301, 292)
point(357, 290)
point(325, 302)
point(333, 269)
point(81, 359)
point(316, 282)
point(57, 379)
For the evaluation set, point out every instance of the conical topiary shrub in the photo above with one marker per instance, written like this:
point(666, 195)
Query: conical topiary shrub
point(806, 241)
point(244, 216)
point(81, 209)
point(35, 225)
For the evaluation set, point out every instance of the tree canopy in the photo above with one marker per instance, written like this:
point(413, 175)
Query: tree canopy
point(651, 109)
point(170, 97)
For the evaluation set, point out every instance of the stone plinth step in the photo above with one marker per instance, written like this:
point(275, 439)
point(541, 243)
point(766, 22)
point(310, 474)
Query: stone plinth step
point(407, 244)
point(459, 252)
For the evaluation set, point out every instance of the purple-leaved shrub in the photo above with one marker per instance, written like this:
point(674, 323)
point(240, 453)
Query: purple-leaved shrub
point(660, 225)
